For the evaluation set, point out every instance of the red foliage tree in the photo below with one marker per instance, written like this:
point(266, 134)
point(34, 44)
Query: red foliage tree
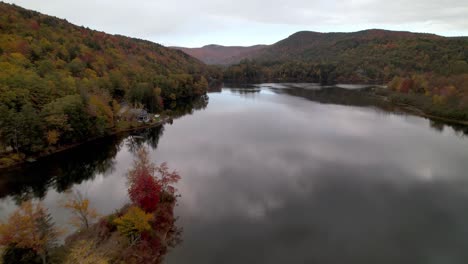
point(167, 178)
point(151, 189)
point(145, 192)
point(34, 25)
point(148, 183)
point(406, 85)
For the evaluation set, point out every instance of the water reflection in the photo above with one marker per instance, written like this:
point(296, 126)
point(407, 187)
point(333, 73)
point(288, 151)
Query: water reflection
point(322, 215)
point(352, 95)
point(60, 171)
point(215, 87)
point(335, 95)
point(72, 167)
point(148, 137)
point(187, 106)
point(298, 175)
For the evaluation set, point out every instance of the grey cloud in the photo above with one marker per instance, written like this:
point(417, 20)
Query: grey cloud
point(180, 20)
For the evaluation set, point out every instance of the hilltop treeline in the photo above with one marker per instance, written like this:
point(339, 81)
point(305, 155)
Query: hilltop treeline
point(60, 83)
point(371, 56)
point(427, 71)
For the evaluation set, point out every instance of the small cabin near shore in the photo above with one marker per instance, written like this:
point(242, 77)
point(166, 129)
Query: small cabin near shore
point(137, 114)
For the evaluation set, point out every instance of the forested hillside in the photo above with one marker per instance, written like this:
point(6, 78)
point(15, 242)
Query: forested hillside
point(60, 83)
point(426, 71)
point(370, 56)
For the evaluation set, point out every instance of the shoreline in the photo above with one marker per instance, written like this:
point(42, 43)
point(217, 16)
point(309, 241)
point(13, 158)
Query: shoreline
point(411, 109)
point(374, 92)
point(419, 112)
point(39, 156)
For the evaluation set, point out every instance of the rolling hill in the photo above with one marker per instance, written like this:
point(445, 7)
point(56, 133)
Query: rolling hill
point(369, 56)
point(315, 46)
point(61, 83)
point(426, 71)
point(367, 46)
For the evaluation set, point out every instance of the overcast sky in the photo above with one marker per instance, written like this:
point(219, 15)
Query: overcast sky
point(195, 23)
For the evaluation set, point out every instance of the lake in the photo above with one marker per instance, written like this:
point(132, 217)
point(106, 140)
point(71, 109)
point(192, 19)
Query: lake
point(284, 173)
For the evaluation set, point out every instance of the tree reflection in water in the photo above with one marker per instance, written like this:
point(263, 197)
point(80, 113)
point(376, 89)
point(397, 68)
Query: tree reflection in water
point(62, 170)
point(362, 97)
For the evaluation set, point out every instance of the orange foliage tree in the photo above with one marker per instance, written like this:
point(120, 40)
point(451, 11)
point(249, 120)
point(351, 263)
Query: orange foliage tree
point(30, 227)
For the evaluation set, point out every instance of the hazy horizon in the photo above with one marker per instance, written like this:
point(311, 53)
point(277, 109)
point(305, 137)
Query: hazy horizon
point(246, 23)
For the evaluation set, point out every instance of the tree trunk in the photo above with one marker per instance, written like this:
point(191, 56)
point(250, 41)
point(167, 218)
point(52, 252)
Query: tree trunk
point(43, 257)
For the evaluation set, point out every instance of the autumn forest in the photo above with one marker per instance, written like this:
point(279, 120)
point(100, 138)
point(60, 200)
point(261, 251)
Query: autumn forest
point(318, 148)
point(61, 84)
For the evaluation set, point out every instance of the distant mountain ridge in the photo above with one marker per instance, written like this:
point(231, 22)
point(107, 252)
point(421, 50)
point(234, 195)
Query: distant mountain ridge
point(222, 55)
point(309, 45)
point(368, 56)
point(329, 47)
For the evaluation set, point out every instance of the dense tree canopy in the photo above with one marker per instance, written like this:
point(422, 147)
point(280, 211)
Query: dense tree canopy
point(443, 96)
point(370, 56)
point(61, 83)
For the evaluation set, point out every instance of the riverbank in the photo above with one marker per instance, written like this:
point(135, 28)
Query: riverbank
point(109, 240)
point(141, 231)
point(420, 105)
point(415, 104)
point(12, 160)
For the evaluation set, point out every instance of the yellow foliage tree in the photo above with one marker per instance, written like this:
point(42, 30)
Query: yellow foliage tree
point(133, 223)
point(52, 137)
point(83, 214)
point(438, 99)
point(100, 108)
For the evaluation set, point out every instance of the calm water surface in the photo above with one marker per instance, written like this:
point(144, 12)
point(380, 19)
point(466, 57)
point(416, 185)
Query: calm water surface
point(285, 174)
